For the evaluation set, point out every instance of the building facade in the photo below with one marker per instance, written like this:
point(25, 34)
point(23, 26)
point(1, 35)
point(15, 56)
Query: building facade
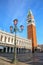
point(7, 43)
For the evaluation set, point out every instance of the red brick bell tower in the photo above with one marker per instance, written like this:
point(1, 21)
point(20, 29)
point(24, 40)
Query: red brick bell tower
point(31, 30)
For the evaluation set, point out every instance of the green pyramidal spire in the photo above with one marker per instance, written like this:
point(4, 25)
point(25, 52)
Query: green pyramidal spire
point(30, 17)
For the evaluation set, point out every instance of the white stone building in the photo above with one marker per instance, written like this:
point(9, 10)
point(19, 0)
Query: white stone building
point(7, 43)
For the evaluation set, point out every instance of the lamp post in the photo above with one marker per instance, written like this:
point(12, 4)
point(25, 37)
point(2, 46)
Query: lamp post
point(15, 29)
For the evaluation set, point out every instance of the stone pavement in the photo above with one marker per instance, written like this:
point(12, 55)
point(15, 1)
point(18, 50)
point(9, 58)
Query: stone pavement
point(23, 59)
point(32, 59)
point(8, 63)
point(4, 61)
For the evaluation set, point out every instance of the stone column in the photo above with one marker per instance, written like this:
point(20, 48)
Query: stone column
point(9, 49)
point(6, 50)
point(13, 50)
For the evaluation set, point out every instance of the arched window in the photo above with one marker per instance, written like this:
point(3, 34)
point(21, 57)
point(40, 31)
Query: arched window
point(9, 39)
point(1, 38)
point(12, 40)
point(5, 39)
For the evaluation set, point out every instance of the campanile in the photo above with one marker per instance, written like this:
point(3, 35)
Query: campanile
point(31, 30)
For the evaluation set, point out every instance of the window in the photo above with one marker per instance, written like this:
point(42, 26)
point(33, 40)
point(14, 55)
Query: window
point(9, 39)
point(12, 40)
point(17, 41)
point(5, 39)
point(1, 38)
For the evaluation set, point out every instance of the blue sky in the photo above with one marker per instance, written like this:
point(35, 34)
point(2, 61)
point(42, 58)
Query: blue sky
point(11, 9)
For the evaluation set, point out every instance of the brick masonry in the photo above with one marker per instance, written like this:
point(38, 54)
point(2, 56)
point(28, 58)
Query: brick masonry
point(32, 35)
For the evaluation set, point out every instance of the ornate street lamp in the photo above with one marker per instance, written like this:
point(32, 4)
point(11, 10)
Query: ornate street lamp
point(15, 29)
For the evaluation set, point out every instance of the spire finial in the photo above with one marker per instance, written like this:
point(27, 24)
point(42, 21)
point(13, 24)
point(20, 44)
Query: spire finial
point(30, 13)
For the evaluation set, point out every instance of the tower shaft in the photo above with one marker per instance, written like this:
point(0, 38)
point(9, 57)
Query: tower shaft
point(32, 35)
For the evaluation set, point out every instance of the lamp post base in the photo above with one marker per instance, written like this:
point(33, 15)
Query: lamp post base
point(14, 61)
